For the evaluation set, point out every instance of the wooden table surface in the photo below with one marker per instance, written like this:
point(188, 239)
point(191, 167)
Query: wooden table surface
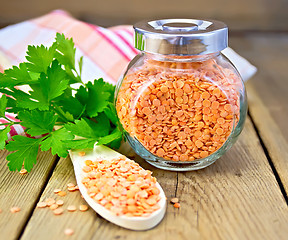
point(241, 196)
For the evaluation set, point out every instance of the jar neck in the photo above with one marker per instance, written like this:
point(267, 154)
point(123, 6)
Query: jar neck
point(178, 58)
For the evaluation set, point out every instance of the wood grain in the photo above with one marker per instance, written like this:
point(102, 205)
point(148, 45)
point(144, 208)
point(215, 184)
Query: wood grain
point(239, 15)
point(271, 134)
point(269, 53)
point(21, 191)
point(237, 195)
point(236, 198)
point(87, 225)
point(267, 93)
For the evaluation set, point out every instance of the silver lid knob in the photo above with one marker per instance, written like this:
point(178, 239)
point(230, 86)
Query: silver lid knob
point(181, 36)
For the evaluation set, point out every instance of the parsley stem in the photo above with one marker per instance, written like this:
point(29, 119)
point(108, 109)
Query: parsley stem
point(59, 124)
point(75, 89)
point(7, 119)
point(61, 113)
point(9, 123)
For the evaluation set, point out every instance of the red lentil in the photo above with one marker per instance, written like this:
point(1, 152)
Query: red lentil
point(71, 184)
point(71, 208)
point(62, 193)
point(54, 206)
point(41, 204)
point(176, 205)
point(49, 201)
point(68, 231)
point(177, 99)
point(23, 171)
point(174, 200)
point(72, 189)
point(15, 209)
point(122, 186)
point(59, 202)
point(83, 208)
point(57, 190)
point(82, 153)
point(58, 211)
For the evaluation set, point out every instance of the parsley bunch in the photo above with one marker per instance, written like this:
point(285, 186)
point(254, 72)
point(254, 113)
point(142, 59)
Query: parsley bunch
point(50, 73)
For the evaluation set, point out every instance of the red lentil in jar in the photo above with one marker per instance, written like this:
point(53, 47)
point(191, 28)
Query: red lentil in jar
point(181, 101)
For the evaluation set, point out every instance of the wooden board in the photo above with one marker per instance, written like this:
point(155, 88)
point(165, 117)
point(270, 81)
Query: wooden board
point(45, 225)
point(238, 197)
point(232, 199)
point(239, 15)
point(267, 94)
point(21, 191)
point(272, 136)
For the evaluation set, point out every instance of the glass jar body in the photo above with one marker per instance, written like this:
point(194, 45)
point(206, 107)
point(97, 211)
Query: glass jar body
point(181, 112)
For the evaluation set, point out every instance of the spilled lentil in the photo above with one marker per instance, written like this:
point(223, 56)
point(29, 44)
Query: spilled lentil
point(15, 209)
point(180, 112)
point(68, 231)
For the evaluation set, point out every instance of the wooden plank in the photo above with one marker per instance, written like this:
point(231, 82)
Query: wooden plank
point(87, 225)
point(271, 134)
point(267, 93)
point(238, 197)
point(22, 191)
point(240, 15)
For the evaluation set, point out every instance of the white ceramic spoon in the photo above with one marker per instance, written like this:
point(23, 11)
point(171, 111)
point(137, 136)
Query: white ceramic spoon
point(134, 223)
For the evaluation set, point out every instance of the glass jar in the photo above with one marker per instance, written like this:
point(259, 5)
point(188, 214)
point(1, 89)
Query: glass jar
point(181, 103)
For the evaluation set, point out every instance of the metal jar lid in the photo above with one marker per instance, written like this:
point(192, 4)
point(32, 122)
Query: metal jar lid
point(181, 36)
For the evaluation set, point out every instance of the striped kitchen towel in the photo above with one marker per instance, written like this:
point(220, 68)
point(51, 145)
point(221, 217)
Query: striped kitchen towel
point(106, 52)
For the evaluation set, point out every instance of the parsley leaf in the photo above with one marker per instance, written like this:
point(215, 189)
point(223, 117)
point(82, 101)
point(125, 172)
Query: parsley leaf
point(16, 76)
point(37, 122)
point(65, 54)
point(5, 81)
point(116, 136)
point(71, 104)
point(54, 84)
point(16, 99)
point(3, 105)
point(34, 100)
point(109, 88)
point(50, 86)
point(65, 51)
point(4, 136)
point(80, 143)
point(26, 151)
point(94, 96)
point(40, 58)
point(81, 128)
point(54, 141)
point(82, 95)
point(89, 129)
point(111, 113)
